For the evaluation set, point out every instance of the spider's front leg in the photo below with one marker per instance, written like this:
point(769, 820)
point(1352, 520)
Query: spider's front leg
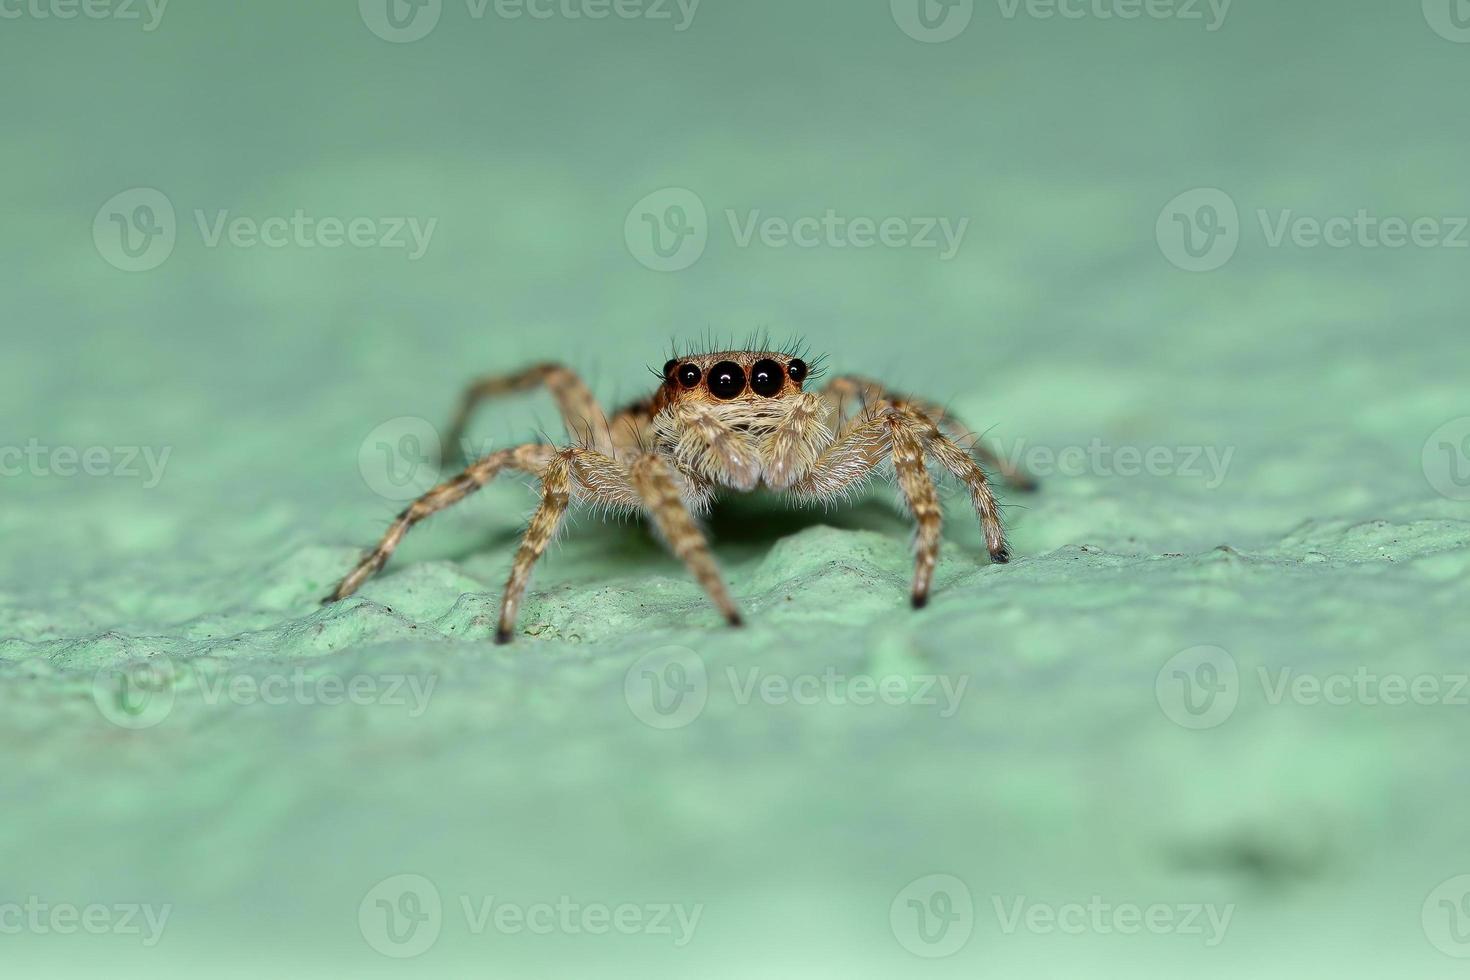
point(657, 488)
point(645, 484)
point(847, 388)
point(908, 436)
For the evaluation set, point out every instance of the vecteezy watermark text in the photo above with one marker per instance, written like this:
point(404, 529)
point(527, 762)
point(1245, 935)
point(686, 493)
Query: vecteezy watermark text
point(1201, 687)
point(406, 21)
point(148, 12)
point(1099, 916)
point(937, 21)
point(38, 917)
point(138, 229)
point(403, 916)
point(140, 695)
point(65, 462)
point(669, 688)
point(1201, 230)
point(1207, 464)
point(669, 230)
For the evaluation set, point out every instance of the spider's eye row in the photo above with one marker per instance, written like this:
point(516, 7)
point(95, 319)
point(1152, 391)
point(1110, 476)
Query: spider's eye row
point(765, 378)
point(689, 375)
point(669, 370)
point(797, 370)
point(726, 380)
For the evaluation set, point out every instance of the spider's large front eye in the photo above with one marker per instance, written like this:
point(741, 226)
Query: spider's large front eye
point(797, 370)
point(726, 380)
point(766, 379)
point(689, 375)
point(669, 370)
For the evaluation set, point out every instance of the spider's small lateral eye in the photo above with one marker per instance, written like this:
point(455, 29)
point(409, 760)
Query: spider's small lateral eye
point(797, 370)
point(689, 375)
point(765, 378)
point(726, 380)
point(669, 370)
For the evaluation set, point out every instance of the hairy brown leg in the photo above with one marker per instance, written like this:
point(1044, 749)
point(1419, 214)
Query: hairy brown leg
point(583, 417)
point(963, 466)
point(556, 496)
point(909, 435)
point(849, 462)
point(529, 458)
point(848, 388)
point(655, 485)
point(923, 502)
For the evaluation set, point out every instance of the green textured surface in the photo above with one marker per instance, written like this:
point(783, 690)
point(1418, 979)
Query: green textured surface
point(526, 774)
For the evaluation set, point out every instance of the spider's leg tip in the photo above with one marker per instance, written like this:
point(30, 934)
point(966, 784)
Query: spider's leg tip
point(502, 636)
point(735, 620)
point(920, 601)
point(1001, 556)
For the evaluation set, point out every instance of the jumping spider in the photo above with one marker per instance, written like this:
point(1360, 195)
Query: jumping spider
point(737, 419)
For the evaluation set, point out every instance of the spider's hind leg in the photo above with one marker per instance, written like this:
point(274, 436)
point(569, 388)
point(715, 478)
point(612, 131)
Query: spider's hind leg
point(580, 412)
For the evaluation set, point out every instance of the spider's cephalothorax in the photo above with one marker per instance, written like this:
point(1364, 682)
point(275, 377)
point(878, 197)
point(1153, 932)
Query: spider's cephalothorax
point(732, 419)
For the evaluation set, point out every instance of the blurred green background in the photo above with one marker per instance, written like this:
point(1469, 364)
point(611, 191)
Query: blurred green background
point(1213, 256)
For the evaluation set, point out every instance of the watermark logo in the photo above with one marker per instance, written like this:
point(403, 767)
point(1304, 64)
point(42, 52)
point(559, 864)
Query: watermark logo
point(1446, 917)
point(400, 21)
point(148, 12)
point(136, 230)
point(399, 459)
point(1102, 917)
point(136, 696)
point(402, 916)
point(1198, 688)
point(1209, 465)
point(932, 21)
point(667, 688)
point(1199, 230)
point(405, 21)
point(933, 916)
point(1446, 459)
point(66, 462)
point(1450, 19)
point(1211, 13)
point(39, 917)
point(668, 230)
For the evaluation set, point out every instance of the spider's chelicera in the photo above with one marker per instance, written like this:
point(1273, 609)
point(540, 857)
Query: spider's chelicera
point(733, 420)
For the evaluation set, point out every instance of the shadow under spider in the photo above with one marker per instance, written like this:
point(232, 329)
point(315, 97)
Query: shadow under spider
point(749, 523)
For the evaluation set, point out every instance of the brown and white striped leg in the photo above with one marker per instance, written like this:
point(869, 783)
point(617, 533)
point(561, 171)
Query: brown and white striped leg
point(845, 389)
point(847, 464)
point(529, 458)
point(963, 466)
point(655, 484)
point(922, 499)
point(583, 417)
point(556, 497)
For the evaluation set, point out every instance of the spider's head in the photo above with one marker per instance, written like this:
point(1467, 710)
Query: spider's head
point(733, 376)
